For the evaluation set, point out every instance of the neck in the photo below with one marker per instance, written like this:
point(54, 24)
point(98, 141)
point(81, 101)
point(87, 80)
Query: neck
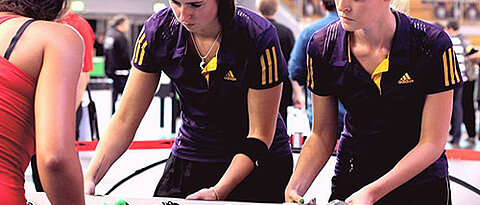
point(453, 33)
point(209, 33)
point(379, 33)
point(6, 13)
point(269, 17)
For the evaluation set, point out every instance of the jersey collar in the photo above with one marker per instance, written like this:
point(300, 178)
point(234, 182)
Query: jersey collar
point(225, 53)
point(399, 52)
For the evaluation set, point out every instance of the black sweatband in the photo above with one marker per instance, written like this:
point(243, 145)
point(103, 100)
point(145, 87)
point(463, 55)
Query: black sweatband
point(254, 148)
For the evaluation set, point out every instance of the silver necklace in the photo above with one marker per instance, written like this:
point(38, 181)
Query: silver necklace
point(203, 63)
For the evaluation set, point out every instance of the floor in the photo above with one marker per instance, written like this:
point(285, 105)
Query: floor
point(144, 184)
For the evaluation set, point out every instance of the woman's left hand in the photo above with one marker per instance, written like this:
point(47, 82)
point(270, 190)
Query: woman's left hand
point(363, 196)
point(203, 194)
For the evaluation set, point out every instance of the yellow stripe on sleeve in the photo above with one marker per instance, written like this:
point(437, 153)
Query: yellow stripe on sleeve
point(308, 70)
point(455, 67)
point(269, 61)
point(275, 65)
point(450, 58)
point(142, 54)
point(139, 42)
point(264, 71)
point(445, 69)
point(311, 74)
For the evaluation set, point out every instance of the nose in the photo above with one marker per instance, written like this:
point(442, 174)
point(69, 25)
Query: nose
point(185, 13)
point(343, 6)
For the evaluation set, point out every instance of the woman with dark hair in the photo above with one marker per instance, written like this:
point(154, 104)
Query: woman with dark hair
point(39, 70)
point(228, 69)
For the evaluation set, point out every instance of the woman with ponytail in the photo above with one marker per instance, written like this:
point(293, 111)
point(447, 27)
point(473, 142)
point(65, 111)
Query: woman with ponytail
point(40, 65)
point(395, 76)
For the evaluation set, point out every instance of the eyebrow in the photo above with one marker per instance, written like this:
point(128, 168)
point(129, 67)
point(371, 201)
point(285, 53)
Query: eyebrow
point(193, 2)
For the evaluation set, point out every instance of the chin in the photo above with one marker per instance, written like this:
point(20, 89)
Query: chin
point(347, 27)
point(350, 27)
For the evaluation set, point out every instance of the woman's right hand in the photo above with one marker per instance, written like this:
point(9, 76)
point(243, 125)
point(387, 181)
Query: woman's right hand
point(89, 187)
point(292, 196)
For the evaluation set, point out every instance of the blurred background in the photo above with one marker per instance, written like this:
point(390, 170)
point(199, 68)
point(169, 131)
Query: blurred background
point(161, 121)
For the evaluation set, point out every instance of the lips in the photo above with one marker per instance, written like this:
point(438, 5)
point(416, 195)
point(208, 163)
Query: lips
point(346, 18)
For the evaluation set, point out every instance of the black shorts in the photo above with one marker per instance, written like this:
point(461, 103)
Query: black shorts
point(435, 192)
point(265, 183)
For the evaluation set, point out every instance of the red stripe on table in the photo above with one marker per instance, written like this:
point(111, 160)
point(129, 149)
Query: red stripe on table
point(456, 154)
point(463, 154)
point(151, 144)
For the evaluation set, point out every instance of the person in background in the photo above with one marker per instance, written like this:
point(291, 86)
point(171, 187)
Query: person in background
point(474, 57)
point(98, 45)
point(268, 8)
point(297, 62)
point(39, 70)
point(395, 75)
point(117, 55)
point(463, 107)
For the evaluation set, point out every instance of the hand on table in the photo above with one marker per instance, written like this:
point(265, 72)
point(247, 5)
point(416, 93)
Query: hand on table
point(293, 197)
point(363, 196)
point(204, 194)
point(89, 187)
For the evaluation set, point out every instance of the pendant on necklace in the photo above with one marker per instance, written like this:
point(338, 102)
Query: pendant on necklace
point(202, 65)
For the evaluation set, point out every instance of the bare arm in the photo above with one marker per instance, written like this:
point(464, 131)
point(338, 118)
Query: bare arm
point(119, 135)
point(317, 150)
point(82, 86)
point(262, 110)
point(298, 95)
point(58, 164)
point(433, 136)
point(474, 57)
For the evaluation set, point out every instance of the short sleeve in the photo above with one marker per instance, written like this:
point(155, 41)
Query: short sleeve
point(444, 73)
point(268, 68)
point(142, 55)
point(319, 72)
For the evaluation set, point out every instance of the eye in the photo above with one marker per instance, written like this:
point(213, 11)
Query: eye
point(176, 2)
point(196, 5)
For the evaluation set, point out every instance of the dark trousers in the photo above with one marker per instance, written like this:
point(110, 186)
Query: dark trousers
point(265, 183)
point(435, 192)
point(353, 173)
point(78, 119)
point(286, 99)
point(457, 115)
point(119, 83)
point(35, 176)
point(468, 108)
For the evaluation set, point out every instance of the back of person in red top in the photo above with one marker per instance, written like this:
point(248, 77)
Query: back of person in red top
point(83, 27)
point(40, 63)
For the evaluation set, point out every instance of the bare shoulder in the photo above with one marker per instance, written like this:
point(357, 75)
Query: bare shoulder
point(52, 33)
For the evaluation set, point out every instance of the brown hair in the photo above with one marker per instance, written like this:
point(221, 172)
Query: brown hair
point(226, 12)
point(267, 7)
point(37, 9)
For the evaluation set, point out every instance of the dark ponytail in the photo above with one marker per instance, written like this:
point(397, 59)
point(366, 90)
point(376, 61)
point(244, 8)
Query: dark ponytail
point(226, 12)
point(38, 9)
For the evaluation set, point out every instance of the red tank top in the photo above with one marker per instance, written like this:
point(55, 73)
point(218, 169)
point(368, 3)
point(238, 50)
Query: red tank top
point(17, 140)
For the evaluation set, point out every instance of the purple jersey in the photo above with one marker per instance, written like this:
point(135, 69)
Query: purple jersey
point(384, 109)
point(215, 116)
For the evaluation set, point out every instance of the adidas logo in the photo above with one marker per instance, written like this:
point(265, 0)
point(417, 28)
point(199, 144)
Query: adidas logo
point(406, 79)
point(229, 76)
